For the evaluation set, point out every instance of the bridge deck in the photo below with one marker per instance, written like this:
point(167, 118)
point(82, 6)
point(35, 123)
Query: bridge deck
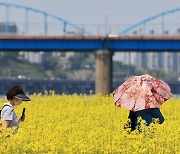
point(89, 43)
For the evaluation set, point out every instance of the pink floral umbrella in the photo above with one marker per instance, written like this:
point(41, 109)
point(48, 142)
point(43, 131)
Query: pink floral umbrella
point(142, 92)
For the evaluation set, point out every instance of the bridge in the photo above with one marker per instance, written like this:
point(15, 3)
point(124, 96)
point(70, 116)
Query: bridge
point(89, 43)
point(63, 26)
point(63, 23)
point(103, 46)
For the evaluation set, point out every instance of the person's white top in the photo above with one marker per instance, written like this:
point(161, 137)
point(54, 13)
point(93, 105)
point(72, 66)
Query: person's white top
point(7, 113)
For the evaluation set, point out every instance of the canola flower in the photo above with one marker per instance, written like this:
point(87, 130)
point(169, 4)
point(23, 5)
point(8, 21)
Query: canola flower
point(88, 124)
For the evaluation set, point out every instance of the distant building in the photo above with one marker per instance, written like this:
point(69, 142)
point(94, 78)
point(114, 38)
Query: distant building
point(11, 28)
point(168, 61)
point(64, 58)
point(33, 57)
point(36, 57)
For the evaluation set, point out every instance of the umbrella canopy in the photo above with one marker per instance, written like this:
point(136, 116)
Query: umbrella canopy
point(142, 92)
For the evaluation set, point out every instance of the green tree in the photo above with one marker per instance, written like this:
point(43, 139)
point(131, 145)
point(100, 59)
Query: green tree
point(8, 56)
point(75, 63)
point(120, 67)
point(50, 63)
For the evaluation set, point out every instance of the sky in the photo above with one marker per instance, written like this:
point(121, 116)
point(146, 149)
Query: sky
point(97, 16)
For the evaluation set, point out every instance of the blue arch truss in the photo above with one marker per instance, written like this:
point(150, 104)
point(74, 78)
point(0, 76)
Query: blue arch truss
point(143, 22)
point(46, 14)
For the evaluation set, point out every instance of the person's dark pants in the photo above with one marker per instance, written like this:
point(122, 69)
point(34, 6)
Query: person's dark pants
point(132, 118)
point(149, 114)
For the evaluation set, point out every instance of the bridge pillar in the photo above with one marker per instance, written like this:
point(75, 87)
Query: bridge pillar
point(103, 72)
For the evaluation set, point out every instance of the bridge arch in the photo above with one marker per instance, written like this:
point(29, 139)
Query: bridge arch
point(143, 22)
point(44, 13)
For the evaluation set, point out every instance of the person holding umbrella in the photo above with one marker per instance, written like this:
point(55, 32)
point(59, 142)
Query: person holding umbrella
point(142, 95)
point(15, 95)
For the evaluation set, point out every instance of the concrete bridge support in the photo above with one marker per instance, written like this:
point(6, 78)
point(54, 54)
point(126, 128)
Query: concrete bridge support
point(104, 68)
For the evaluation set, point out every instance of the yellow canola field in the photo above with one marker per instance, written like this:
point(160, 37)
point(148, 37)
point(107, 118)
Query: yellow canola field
point(88, 124)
